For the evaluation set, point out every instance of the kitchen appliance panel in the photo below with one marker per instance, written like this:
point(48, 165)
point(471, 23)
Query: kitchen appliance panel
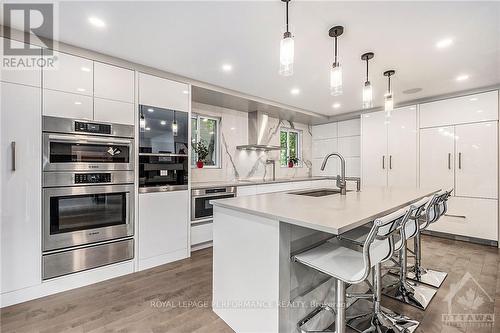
point(201, 209)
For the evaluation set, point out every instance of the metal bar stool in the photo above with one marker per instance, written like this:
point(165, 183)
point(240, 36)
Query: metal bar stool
point(398, 287)
point(348, 265)
point(433, 213)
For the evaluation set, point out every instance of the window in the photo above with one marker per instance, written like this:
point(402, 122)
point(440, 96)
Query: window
point(206, 130)
point(291, 146)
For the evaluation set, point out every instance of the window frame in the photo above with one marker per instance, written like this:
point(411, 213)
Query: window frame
point(289, 130)
point(218, 154)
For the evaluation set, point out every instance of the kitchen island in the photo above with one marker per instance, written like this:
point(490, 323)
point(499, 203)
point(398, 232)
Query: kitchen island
point(256, 287)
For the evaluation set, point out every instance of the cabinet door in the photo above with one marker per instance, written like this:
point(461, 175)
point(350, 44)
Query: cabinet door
point(113, 82)
point(113, 111)
point(163, 226)
point(20, 220)
point(374, 161)
point(62, 104)
point(437, 146)
point(71, 74)
point(402, 148)
point(476, 160)
point(29, 76)
point(156, 91)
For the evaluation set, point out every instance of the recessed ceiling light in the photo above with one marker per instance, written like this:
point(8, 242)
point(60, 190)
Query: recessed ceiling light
point(473, 99)
point(462, 77)
point(85, 69)
point(95, 21)
point(335, 105)
point(227, 67)
point(295, 91)
point(444, 43)
point(78, 103)
point(151, 110)
point(163, 122)
point(148, 128)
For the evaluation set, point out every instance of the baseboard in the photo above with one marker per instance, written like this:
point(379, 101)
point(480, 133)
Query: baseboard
point(461, 238)
point(201, 246)
point(67, 282)
point(147, 263)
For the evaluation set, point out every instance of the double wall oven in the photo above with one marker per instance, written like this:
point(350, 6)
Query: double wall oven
point(88, 195)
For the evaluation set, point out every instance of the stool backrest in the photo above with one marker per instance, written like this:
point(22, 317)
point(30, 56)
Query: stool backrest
point(442, 203)
point(411, 228)
point(379, 245)
point(429, 214)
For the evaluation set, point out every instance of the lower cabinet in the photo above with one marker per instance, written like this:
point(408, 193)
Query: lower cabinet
point(201, 234)
point(163, 228)
point(470, 217)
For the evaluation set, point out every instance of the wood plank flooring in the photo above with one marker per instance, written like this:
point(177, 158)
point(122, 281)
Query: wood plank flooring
point(176, 297)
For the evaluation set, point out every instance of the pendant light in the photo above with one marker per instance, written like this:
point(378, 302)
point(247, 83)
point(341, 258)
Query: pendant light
point(142, 121)
point(367, 89)
point(286, 48)
point(388, 97)
point(175, 127)
point(336, 70)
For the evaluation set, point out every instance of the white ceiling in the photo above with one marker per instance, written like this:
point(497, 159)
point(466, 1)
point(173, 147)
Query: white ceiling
point(194, 39)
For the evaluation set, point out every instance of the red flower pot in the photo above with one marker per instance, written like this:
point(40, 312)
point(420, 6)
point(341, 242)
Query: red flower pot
point(199, 164)
point(290, 164)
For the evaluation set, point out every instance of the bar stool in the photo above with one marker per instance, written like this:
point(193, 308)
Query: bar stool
point(433, 213)
point(346, 265)
point(398, 287)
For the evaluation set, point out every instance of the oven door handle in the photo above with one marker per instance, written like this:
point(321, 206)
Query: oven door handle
point(220, 194)
point(64, 138)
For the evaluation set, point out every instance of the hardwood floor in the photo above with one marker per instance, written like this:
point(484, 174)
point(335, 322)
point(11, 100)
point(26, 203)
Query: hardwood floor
point(176, 297)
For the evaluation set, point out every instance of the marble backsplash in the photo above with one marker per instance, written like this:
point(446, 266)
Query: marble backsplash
point(242, 164)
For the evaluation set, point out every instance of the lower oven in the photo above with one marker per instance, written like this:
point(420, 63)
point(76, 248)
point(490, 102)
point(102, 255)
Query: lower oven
point(201, 209)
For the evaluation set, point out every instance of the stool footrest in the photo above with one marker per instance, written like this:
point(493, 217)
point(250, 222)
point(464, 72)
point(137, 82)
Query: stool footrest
point(320, 308)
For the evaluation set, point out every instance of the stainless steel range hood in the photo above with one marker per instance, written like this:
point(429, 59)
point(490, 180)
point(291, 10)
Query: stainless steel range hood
point(257, 130)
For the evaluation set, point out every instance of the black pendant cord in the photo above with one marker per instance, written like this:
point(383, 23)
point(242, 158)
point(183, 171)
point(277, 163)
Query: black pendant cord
point(389, 86)
point(287, 16)
point(335, 51)
point(367, 71)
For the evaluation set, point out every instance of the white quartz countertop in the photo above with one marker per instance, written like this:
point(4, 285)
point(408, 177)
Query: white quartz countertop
point(334, 214)
point(249, 182)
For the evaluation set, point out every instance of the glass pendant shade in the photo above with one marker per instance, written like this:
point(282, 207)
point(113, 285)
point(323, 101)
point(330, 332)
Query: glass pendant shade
point(142, 122)
point(286, 55)
point(367, 95)
point(175, 128)
point(388, 103)
point(336, 80)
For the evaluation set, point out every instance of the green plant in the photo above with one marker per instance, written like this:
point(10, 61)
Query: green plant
point(294, 160)
point(201, 149)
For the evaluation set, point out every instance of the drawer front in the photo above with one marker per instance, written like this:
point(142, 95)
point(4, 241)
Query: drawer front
point(63, 263)
point(113, 111)
point(61, 104)
point(201, 233)
point(470, 217)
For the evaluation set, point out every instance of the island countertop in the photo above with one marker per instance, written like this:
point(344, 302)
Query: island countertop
point(334, 214)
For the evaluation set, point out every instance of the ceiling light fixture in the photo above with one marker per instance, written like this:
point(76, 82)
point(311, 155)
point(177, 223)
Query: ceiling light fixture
point(367, 88)
point(462, 77)
point(227, 68)
point(388, 97)
point(142, 121)
point(295, 91)
point(175, 127)
point(444, 43)
point(163, 122)
point(336, 105)
point(336, 70)
point(151, 110)
point(286, 48)
point(95, 21)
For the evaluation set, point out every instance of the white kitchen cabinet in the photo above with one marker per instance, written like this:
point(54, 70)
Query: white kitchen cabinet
point(476, 160)
point(20, 221)
point(389, 148)
point(62, 104)
point(470, 217)
point(325, 131)
point(71, 74)
point(349, 127)
point(112, 82)
point(163, 228)
point(323, 147)
point(460, 110)
point(28, 76)
point(163, 93)
point(437, 157)
point(374, 149)
point(114, 111)
point(201, 233)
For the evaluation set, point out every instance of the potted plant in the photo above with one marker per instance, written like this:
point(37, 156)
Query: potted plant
point(201, 149)
point(292, 161)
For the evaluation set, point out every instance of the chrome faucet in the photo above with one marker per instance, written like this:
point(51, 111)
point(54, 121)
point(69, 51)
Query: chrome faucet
point(273, 162)
point(341, 183)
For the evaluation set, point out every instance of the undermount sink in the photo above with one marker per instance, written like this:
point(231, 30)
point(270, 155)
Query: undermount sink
point(321, 192)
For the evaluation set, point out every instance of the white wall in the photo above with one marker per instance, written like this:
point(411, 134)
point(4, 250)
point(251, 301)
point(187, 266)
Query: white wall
point(343, 137)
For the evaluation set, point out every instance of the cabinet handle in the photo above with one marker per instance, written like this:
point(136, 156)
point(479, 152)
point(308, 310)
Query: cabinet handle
point(383, 162)
point(13, 147)
point(460, 160)
point(457, 216)
point(390, 162)
point(449, 161)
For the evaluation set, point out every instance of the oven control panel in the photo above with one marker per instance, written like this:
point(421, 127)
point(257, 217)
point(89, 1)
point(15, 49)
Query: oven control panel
point(92, 128)
point(92, 178)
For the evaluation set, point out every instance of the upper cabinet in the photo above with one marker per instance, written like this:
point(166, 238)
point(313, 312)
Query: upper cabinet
point(460, 110)
point(22, 75)
point(113, 82)
point(71, 74)
point(156, 91)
